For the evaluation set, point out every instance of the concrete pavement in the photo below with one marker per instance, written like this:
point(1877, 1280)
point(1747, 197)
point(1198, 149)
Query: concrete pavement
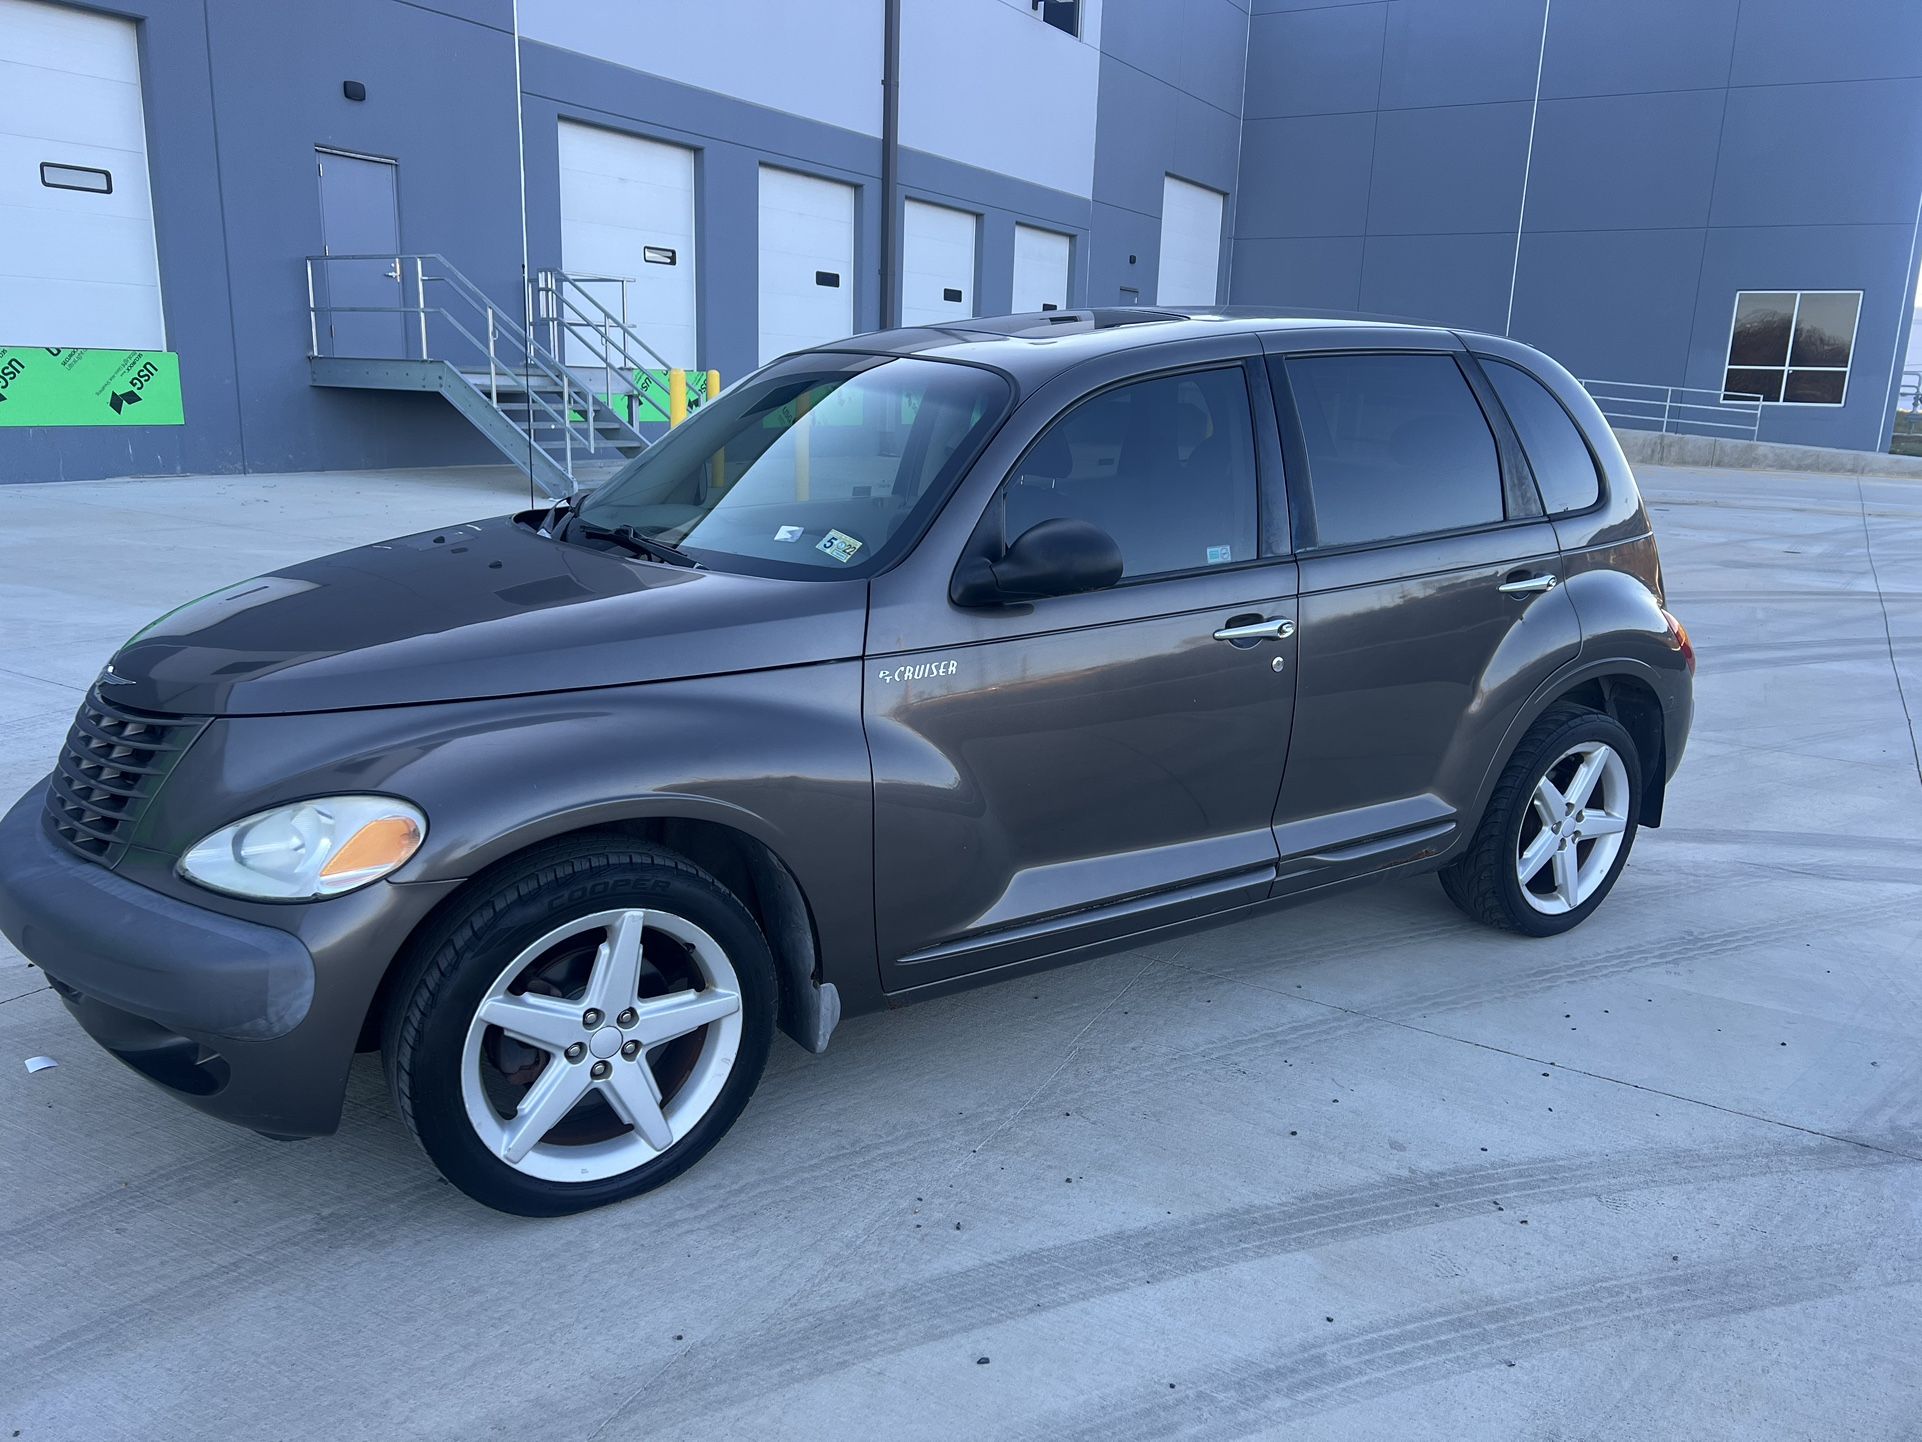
point(1358, 1170)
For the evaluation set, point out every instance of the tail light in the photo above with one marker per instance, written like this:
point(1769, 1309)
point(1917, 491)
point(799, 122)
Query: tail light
point(1678, 633)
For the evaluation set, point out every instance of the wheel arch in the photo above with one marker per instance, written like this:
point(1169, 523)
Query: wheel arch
point(809, 1007)
point(1627, 690)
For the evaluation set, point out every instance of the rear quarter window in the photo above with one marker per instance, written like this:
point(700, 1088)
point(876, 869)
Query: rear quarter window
point(1397, 446)
point(1564, 467)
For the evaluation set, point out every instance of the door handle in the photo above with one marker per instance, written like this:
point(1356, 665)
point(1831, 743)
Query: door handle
point(1279, 629)
point(1528, 585)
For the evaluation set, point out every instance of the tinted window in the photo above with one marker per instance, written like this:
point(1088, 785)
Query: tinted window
point(1564, 469)
point(1166, 467)
point(820, 465)
point(1792, 346)
point(1397, 446)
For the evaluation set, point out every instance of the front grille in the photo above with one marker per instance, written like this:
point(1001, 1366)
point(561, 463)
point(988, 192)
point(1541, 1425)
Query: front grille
point(113, 763)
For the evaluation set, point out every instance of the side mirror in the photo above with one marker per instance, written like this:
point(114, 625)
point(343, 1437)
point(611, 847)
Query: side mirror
point(1060, 557)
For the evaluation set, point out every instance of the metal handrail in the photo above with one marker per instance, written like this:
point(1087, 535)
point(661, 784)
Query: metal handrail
point(525, 357)
point(1638, 405)
point(620, 348)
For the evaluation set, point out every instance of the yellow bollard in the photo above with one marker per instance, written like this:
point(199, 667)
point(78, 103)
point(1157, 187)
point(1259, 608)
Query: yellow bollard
point(713, 386)
point(803, 403)
point(676, 397)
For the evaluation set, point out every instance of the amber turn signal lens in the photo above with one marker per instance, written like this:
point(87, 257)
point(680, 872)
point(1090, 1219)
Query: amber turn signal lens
point(1682, 643)
point(377, 848)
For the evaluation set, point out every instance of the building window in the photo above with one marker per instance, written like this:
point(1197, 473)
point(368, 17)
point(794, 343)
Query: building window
point(1792, 347)
point(1062, 14)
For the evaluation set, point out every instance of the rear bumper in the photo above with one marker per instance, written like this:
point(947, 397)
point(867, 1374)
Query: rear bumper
point(250, 1023)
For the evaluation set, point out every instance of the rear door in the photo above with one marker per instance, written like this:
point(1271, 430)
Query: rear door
point(1431, 604)
point(1051, 775)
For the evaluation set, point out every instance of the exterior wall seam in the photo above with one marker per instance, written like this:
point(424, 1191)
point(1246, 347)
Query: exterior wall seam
point(1528, 164)
point(1714, 179)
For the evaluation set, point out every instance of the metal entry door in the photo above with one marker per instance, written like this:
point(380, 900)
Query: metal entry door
point(360, 216)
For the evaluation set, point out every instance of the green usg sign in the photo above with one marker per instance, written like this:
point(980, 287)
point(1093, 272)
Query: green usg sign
point(51, 387)
point(651, 395)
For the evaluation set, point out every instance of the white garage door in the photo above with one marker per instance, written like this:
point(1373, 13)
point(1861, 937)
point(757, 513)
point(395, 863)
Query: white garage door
point(807, 261)
point(1190, 244)
point(627, 213)
point(1040, 269)
point(77, 262)
point(937, 264)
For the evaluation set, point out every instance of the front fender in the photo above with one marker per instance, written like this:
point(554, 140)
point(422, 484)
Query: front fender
point(778, 755)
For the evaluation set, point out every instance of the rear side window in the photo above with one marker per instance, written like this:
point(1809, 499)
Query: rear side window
point(1165, 466)
point(1564, 469)
point(1397, 446)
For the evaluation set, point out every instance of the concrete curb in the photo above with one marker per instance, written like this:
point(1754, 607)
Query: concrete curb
point(1656, 448)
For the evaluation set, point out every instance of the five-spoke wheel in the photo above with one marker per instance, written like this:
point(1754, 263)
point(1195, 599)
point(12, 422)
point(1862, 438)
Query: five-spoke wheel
point(583, 1030)
point(1557, 829)
point(1573, 832)
point(601, 1044)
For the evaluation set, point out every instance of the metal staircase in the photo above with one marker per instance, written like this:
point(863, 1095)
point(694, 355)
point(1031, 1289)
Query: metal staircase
point(451, 339)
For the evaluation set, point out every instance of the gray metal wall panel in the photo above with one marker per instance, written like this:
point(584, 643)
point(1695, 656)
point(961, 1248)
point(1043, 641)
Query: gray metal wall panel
point(1317, 273)
point(1459, 280)
point(1829, 154)
point(1314, 62)
point(1455, 170)
point(1614, 304)
point(1625, 162)
point(1307, 175)
point(1618, 47)
point(1793, 42)
point(1437, 52)
point(1124, 249)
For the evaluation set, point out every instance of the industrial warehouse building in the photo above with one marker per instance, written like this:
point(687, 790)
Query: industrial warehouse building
point(254, 235)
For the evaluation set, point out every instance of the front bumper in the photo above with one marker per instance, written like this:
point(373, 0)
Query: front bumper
point(248, 1022)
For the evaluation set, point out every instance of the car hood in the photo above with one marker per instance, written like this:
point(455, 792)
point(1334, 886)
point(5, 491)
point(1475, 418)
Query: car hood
point(472, 611)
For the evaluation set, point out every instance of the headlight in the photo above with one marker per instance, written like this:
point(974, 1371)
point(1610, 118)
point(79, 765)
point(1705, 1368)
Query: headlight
point(311, 848)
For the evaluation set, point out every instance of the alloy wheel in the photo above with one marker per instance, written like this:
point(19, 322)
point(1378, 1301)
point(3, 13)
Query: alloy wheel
point(601, 1045)
point(1573, 830)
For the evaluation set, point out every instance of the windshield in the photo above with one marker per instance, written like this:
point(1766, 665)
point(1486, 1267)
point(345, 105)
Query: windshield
point(820, 465)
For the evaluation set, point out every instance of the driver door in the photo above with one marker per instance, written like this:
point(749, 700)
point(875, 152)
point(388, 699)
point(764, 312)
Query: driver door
point(1053, 775)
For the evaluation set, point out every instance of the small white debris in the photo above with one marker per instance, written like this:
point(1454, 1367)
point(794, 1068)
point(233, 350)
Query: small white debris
point(40, 1063)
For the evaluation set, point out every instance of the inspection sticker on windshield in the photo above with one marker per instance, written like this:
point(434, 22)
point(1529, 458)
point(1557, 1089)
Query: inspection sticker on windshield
point(840, 545)
point(1220, 555)
point(787, 533)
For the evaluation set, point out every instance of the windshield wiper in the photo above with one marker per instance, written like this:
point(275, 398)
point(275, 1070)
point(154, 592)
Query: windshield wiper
point(632, 540)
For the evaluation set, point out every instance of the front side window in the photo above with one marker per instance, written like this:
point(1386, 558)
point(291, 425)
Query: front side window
point(1792, 347)
point(819, 466)
point(1564, 469)
point(1397, 446)
point(1165, 466)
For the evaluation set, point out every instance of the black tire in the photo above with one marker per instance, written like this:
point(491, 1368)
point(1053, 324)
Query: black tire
point(1483, 880)
point(424, 1031)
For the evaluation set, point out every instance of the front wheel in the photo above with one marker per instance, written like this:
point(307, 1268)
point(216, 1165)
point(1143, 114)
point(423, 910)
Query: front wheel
point(1558, 828)
point(586, 1029)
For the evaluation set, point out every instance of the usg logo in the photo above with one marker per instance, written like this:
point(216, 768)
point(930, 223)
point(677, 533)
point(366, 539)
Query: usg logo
point(9, 373)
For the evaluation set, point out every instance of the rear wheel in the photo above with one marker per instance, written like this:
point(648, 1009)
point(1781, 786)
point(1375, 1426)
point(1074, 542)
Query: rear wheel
point(586, 1030)
point(1558, 828)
